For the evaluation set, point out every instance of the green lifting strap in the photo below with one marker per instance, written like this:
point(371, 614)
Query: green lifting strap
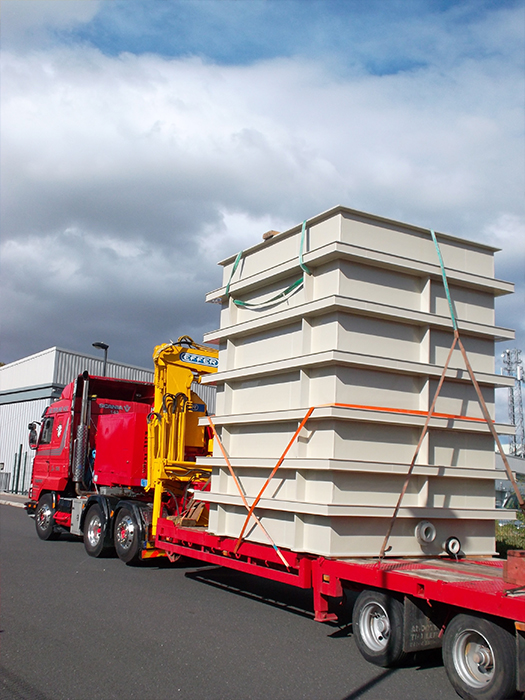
point(445, 282)
point(273, 300)
point(235, 265)
point(282, 295)
point(304, 267)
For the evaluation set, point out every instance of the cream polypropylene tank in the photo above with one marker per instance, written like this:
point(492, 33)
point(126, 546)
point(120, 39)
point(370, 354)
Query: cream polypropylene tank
point(363, 338)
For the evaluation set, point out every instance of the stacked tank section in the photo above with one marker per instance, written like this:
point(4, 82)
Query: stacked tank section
point(364, 339)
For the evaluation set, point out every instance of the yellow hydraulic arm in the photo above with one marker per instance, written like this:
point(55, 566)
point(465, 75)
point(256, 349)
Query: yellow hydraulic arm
point(175, 438)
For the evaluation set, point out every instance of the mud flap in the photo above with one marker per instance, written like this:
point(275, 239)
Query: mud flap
point(421, 629)
point(520, 659)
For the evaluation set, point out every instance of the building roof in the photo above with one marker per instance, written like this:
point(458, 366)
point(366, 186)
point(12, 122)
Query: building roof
point(56, 367)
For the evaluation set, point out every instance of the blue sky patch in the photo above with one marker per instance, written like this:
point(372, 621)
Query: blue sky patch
point(381, 37)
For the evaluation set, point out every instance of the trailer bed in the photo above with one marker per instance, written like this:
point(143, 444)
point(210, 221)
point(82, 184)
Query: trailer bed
point(473, 585)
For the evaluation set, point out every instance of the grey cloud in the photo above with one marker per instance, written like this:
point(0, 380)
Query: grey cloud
point(68, 291)
point(122, 178)
point(30, 23)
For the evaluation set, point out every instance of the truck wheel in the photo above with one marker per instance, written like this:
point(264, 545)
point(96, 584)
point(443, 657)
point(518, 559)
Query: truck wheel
point(479, 658)
point(94, 533)
point(45, 528)
point(377, 625)
point(127, 536)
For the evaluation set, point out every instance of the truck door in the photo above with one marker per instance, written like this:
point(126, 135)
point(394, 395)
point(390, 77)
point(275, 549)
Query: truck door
point(59, 446)
point(41, 463)
point(51, 460)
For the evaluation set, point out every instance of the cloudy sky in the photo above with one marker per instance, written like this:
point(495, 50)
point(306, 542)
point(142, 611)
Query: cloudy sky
point(144, 140)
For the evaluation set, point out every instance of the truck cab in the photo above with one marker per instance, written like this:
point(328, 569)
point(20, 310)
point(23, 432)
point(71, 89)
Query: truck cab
point(116, 450)
point(51, 462)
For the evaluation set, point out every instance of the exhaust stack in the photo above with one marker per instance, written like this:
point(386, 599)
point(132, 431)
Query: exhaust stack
point(81, 440)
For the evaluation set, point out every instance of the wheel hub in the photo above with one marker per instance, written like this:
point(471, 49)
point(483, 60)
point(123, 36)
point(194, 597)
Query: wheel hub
point(94, 531)
point(482, 657)
point(474, 659)
point(375, 626)
point(44, 516)
point(125, 532)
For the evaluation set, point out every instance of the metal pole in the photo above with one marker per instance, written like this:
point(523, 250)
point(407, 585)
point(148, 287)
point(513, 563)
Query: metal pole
point(18, 469)
point(24, 473)
point(13, 476)
point(103, 346)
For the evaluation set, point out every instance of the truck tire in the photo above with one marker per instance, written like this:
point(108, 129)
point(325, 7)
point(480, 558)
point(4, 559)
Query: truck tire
point(95, 534)
point(45, 527)
point(479, 658)
point(377, 625)
point(127, 536)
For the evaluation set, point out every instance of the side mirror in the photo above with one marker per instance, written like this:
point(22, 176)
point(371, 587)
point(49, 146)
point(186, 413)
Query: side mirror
point(33, 436)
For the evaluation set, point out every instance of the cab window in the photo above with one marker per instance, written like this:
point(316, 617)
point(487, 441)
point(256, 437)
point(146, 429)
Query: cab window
point(47, 431)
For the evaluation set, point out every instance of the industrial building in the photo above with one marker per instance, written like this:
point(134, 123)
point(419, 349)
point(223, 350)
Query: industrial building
point(27, 387)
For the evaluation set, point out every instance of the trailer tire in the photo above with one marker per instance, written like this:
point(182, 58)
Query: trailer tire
point(44, 519)
point(377, 625)
point(94, 533)
point(127, 536)
point(480, 658)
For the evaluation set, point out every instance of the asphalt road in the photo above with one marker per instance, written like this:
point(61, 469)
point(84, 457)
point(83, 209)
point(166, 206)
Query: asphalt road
point(77, 628)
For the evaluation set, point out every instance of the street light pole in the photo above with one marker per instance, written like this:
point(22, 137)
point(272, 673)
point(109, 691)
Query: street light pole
point(103, 346)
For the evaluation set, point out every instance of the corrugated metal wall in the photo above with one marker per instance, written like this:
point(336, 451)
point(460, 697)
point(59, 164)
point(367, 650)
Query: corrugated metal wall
point(69, 365)
point(14, 419)
point(57, 366)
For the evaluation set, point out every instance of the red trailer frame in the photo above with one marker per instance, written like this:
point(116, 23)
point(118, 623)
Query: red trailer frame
point(474, 585)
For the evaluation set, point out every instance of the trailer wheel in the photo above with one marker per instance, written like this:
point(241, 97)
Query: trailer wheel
point(377, 625)
point(45, 528)
point(94, 533)
point(127, 536)
point(479, 658)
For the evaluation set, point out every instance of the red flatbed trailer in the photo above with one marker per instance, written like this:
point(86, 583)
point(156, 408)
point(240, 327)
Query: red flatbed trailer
point(475, 609)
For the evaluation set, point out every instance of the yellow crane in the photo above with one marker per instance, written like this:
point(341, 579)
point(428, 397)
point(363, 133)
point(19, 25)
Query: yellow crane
point(175, 437)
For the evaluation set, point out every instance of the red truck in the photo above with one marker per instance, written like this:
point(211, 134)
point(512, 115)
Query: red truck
point(110, 451)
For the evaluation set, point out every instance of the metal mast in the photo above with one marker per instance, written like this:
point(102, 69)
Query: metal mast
point(513, 367)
